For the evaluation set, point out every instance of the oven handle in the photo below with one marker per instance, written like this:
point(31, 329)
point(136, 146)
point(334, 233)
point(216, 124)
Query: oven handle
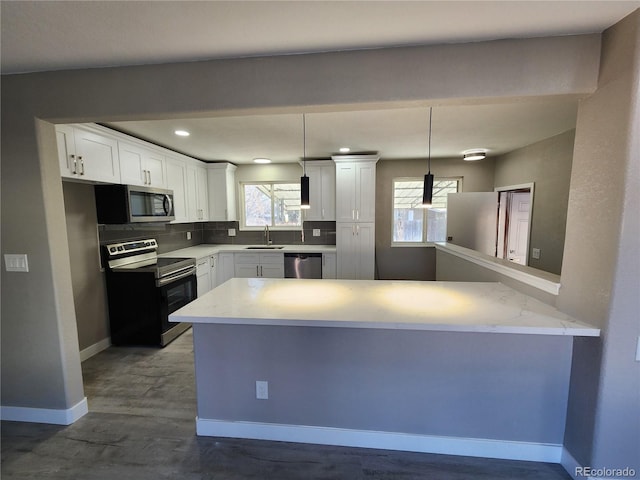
point(185, 272)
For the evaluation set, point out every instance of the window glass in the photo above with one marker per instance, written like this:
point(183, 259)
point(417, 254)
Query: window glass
point(411, 222)
point(271, 204)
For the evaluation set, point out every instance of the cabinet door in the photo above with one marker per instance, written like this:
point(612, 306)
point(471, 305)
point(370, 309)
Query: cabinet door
point(272, 270)
point(329, 265)
point(226, 267)
point(177, 181)
point(345, 192)
point(193, 211)
point(132, 171)
point(156, 169)
point(213, 263)
point(203, 275)
point(345, 249)
point(328, 187)
point(98, 158)
point(315, 193)
point(365, 251)
point(202, 193)
point(247, 270)
point(365, 188)
point(66, 151)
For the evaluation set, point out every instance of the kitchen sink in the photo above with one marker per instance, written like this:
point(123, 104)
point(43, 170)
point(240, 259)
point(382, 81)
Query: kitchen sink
point(265, 247)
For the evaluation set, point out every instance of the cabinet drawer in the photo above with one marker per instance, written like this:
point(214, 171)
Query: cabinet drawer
point(247, 258)
point(272, 258)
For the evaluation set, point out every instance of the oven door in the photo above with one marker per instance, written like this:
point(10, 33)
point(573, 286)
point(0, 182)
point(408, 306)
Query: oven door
point(175, 294)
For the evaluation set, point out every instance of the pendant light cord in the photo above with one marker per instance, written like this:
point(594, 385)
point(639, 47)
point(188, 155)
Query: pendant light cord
point(430, 113)
point(304, 145)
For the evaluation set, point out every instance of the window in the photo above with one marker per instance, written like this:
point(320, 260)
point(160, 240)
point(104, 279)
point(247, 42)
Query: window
point(271, 204)
point(411, 222)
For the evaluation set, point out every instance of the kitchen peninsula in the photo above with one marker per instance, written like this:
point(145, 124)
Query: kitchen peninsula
point(444, 367)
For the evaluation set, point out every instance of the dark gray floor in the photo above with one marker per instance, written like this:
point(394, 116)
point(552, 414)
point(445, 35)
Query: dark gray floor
point(141, 426)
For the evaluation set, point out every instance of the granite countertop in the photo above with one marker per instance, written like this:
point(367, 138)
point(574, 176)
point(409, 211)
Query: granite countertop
point(205, 249)
point(387, 304)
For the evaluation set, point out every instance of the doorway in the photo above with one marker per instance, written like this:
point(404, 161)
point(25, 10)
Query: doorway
point(514, 222)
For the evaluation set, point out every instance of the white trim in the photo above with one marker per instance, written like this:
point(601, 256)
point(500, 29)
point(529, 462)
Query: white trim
point(474, 447)
point(535, 280)
point(46, 415)
point(94, 349)
point(570, 464)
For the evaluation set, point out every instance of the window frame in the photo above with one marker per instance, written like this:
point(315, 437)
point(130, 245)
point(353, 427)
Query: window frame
point(423, 242)
point(243, 220)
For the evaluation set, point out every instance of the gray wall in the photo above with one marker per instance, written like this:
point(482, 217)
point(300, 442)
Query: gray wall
point(417, 263)
point(430, 383)
point(601, 265)
point(548, 165)
point(88, 283)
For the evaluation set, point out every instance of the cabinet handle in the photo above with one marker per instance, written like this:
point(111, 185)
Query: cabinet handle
point(353, 230)
point(358, 230)
point(149, 173)
point(261, 271)
point(323, 213)
point(81, 165)
point(257, 272)
point(353, 214)
point(75, 164)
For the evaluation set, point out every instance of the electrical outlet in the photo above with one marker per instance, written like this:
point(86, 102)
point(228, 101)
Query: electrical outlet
point(188, 235)
point(535, 253)
point(262, 390)
point(232, 232)
point(316, 232)
point(16, 262)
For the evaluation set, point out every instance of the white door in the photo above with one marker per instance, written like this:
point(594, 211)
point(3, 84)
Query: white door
point(97, 157)
point(365, 251)
point(518, 227)
point(472, 220)
point(365, 192)
point(177, 181)
point(132, 171)
point(156, 169)
point(345, 192)
point(345, 248)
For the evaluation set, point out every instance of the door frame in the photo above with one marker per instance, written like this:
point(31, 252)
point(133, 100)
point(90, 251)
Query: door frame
point(502, 233)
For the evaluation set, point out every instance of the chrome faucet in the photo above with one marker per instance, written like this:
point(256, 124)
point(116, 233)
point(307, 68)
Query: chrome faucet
point(267, 235)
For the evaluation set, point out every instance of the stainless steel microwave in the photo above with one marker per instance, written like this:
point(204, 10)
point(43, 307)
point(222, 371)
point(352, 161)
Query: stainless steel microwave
point(118, 204)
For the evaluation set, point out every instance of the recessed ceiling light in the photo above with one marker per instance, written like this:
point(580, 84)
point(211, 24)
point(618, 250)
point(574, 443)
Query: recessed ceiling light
point(182, 133)
point(475, 154)
point(261, 160)
point(345, 149)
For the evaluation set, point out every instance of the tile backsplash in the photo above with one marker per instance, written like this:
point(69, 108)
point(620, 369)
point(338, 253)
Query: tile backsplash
point(174, 236)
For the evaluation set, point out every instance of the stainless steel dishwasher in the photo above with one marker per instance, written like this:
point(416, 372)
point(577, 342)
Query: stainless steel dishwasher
point(302, 265)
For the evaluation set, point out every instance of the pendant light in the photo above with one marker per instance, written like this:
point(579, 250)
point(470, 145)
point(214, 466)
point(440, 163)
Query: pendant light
point(427, 190)
point(304, 180)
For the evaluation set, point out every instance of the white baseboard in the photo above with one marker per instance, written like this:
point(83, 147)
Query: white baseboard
point(45, 415)
point(94, 349)
point(473, 447)
point(570, 464)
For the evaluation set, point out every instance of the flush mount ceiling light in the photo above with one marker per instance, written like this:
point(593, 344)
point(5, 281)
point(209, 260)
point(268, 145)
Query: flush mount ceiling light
point(261, 160)
point(473, 155)
point(427, 189)
point(304, 180)
point(344, 149)
point(182, 133)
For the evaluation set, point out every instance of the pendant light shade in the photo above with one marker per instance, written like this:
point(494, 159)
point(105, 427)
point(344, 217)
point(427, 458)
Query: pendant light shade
point(304, 180)
point(427, 189)
point(304, 192)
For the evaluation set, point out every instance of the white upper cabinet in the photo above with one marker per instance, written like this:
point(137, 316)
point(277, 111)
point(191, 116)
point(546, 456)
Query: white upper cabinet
point(322, 191)
point(197, 192)
point(86, 155)
point(355, 188)
point(177, 181)
point(222, 192)
point(141, 166)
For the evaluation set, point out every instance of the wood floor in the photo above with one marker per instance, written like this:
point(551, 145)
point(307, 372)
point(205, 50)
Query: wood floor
point(141, 426)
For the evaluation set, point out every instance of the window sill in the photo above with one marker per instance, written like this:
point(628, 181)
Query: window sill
point(413, 245)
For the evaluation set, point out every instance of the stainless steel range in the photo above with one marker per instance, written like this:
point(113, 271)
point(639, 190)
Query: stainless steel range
point(143, 289)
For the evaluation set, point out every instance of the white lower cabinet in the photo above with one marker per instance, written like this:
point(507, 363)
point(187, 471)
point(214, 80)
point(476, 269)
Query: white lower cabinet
point(329, 265)
point(226, 267)
point(355, 247)
point(203, 274)
point(259, 265)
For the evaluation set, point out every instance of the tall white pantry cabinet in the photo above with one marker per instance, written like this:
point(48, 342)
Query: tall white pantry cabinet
point(355, 216)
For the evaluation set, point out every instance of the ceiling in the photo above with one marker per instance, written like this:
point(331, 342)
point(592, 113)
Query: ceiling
point(54, 35)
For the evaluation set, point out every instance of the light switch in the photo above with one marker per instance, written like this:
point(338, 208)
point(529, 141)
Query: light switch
point(16, 262)
point(535, 253)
